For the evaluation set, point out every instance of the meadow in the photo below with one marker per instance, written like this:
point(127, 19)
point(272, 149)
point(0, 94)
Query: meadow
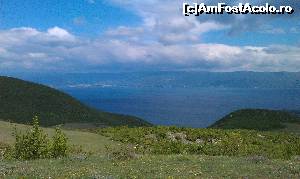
point(105, 156)
point(212, 142)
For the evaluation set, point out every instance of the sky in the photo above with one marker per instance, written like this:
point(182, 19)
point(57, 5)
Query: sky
point(134, 35)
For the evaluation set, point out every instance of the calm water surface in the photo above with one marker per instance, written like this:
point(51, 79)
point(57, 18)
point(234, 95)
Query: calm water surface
point(185, 107)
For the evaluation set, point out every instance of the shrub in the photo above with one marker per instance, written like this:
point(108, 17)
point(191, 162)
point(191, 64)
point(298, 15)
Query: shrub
point(4, 148)
point(123, 153)
point(35, 144)
point(59, 146)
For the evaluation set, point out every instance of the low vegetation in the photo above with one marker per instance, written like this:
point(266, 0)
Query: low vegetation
point(153, 166)
point(35, 144)
point(100, 157)
point(212, 142)
point(257, 119)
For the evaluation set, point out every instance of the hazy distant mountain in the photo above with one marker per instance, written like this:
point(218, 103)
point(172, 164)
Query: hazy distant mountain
point(172, 79)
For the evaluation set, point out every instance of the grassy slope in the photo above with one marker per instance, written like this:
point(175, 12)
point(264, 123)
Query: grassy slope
point(89, 141)
point(259, 119)
point(21, 100)
point(145, 166)
point(170, 166)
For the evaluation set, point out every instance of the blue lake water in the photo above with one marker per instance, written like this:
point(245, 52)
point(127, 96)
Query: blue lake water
point(185, 107)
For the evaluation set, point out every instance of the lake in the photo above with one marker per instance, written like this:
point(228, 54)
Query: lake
point(193, 107)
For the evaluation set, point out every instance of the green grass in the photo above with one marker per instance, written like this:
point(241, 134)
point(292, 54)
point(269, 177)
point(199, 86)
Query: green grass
point(152, 166)
point(101, 164)
point(213, 142)
point(89, 141)
point(21, 100)
point(258, 119)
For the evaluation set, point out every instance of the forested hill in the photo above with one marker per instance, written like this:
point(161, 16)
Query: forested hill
point(21, 100)
point(257, 119)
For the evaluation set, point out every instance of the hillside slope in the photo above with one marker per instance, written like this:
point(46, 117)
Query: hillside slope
point(21, 100)
point(96, 161)
point(257, 119)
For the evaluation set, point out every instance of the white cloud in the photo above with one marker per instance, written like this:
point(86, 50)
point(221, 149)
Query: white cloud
point(165, 39)
point(37, 55)
point(38, 50)
point(60, 33)
point(125, 31)
point(164, 22)
point(168, 13)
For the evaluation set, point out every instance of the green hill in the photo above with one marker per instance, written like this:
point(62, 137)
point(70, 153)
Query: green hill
point(21, 100)
point(297, 113)
point(258, 119)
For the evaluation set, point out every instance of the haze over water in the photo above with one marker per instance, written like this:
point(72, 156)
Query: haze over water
point(195, 107)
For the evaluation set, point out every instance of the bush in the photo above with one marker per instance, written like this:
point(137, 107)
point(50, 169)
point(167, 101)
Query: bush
point(35, 144)
point(59, 146)
point(121, 154)
point(3, 150)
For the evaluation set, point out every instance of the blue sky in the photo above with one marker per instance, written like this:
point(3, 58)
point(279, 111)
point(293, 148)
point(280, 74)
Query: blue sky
point(81, 17)
point(116, 35)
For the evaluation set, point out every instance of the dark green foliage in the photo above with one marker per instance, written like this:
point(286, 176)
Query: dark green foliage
point(256, 119)
point(35, 144)
point(20, 100)
point(172, 140)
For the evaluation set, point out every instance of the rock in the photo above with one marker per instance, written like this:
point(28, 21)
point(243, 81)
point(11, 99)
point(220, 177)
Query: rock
point(199, 141)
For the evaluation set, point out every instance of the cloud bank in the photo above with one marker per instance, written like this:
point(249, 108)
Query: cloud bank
point(165, 40)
